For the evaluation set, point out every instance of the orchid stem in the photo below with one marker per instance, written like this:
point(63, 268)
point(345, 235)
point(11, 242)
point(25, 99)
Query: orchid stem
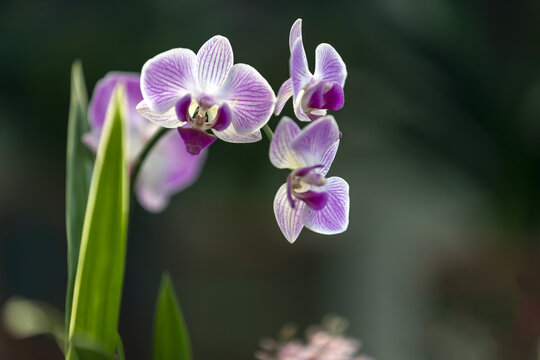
point(269, 133)
point(144, 153)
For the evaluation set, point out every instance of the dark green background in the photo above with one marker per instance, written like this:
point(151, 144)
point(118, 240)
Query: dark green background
point(441, 149)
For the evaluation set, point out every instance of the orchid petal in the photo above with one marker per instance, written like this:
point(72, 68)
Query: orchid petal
point(329, 65)
point(223, 118)
point(250, 98)
point(195, 140)
point(333, 218)
point(296, 33)
point(334, 98)
point(288, 218)
point(300, 74)
point(284, 93)
point(215, 59)
point(230, 135)
point(281, 154)
point(168, 169)
point(97, 109)
point(167, 77)
point(168, 119)
point(328, 157)
point(298, 108)
point(315, 139)
point(181, 108)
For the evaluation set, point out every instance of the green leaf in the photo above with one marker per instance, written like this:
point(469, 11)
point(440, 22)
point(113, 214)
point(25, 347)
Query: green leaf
point(171, 339)
point(79, 164)
point(120, 349)
point(100, 271)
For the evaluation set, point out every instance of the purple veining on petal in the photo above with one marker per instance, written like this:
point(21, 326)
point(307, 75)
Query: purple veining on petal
point(250, 98)
point(315, 139)
point(288, 218)
point(329, 65)
point(334, 98)
point(182, 108)
point(167, 119)
point(290, 191)
point(300, 74)
point(215, 59)
point(230, 135)
point(313, 199)
point(196, 140)
point(333, 218)
point(167, 77)
point(296, 33)
point(284, 93)
point(223, 118)
point(280, 153)
point(327, 157)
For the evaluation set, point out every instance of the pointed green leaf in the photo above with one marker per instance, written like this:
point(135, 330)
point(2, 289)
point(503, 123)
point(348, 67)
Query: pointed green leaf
point(100, 271)
point(79, 162)
point(171, 339)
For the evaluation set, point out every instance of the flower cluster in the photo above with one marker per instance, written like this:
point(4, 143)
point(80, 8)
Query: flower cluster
point(205, 96)
point(320, 344)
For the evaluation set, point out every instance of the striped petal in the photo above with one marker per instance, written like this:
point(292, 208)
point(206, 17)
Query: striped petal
point(167, 77)
point(296, 33)
point(315, 139)
point(281, 154)
point(230, 135)
point(300, 74)
point(284, 93)
point(168, 119)
point(333, 218)
point(329, 65)
point(250, 98)
point(215, 59)
point(288, 219)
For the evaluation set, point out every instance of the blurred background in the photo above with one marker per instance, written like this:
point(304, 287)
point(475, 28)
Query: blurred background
point(441, 149)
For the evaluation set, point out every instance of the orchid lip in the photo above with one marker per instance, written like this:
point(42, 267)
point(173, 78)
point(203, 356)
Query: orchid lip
point(302, 177)
point(196, 140)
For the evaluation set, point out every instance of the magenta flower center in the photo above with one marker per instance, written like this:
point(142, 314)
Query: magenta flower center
point(306, 184)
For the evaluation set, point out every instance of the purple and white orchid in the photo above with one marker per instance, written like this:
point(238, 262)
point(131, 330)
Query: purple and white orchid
point(313, 94)
point(205, 91)
point(168, 168)
point(308, 198)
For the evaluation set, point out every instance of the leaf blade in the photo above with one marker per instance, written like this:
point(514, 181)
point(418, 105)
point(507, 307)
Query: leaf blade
point(79, 163)
point(171, 338)
point(100, 271)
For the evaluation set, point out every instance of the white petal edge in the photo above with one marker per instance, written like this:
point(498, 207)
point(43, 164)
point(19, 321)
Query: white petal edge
point(296, 33)
point(284, 94)
point(231, 136)
point(280, 153)
point(288, 219)
point(167, 119)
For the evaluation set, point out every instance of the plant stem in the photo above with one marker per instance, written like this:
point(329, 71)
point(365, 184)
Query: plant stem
point(144, 153)
point(269, 133)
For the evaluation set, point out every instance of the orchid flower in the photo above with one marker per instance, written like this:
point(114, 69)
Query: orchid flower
point(308, 198)
point(205, 91)
point(168, 168)
point(313, 94)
